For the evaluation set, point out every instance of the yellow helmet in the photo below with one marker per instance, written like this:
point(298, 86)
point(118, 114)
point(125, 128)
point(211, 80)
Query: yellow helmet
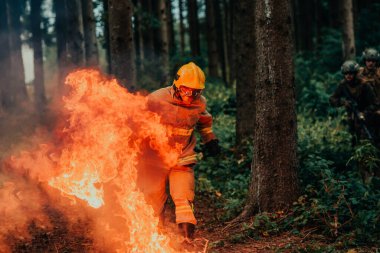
point(191, 76)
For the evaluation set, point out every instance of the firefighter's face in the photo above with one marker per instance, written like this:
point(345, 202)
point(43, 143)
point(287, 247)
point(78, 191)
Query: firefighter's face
point(370, 64)
point(188, 95)
point(349, 76)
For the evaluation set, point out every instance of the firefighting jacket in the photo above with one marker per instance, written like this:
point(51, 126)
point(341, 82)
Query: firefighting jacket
point(182, 120)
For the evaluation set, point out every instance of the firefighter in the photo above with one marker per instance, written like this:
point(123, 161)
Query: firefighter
point(358, 99)
point(183, 110)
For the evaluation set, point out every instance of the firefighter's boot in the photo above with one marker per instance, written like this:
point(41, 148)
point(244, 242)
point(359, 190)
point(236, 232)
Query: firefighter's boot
point(187, 230)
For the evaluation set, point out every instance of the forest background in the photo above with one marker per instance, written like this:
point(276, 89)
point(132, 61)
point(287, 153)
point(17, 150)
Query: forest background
point(41, 41)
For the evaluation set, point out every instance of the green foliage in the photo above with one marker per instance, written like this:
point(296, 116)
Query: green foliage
point(366, 155)
point(335, 201)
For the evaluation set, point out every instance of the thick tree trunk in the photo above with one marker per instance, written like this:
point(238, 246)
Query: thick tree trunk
point(192, 8)
point(348, 30)
point(164, 29)
point(211, 39)
point(39, 88)
point(89, 29)
point(5, 61)
point(181, 27)
point(244, 61)
point(121, 42)
point(169, 14)
point(17, 65)
point(75, 42)
point(274, 169)
point(61, 32)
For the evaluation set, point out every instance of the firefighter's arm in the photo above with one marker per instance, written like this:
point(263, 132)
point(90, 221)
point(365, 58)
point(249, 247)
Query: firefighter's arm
point(204, 127)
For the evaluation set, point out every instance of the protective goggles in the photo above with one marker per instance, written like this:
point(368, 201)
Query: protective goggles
point(188, 92)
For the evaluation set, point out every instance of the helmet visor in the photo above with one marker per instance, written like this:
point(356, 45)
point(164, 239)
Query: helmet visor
point(189, 92)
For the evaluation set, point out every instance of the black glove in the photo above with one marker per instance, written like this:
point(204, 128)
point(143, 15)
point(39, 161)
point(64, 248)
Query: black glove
point(212, 148)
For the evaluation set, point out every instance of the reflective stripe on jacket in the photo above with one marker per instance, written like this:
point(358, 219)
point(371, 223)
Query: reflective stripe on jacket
point(182, 120)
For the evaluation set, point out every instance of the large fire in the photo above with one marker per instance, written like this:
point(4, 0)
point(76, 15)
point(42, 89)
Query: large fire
point(91, 160)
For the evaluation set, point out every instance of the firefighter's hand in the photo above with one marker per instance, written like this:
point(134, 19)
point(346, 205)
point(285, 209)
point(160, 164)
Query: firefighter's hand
point(212, 148)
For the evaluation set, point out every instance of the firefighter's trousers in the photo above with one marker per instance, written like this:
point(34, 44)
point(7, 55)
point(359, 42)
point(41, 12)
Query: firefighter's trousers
point(153, 181)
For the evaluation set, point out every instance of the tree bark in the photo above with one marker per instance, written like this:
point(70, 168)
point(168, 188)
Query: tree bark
point(274, 183)
point(244, 61)
point(75, 43)
point(39, 86)
point(181, 27)
point(121, 42)
point(192, 8)
point(17, 65)
point(164, 29)
point(211, 39)
point(348, 30)
point(5, 61)
point(89, 29)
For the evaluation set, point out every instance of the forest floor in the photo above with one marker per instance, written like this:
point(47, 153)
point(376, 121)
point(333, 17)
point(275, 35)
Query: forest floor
point(212, 235)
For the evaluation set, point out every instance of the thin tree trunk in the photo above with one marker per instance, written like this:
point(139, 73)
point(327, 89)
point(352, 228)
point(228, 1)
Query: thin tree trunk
point(305, 24)
point(5, 61)
point(121, 42)
point(181, 27)
point(334, 14)
point(274, 183)
point(39, 87)
point(211, 39)
point(106, 36)
point(164, 29)
point(61, 32)
point(89, 29)
point(147, 31)
point(244, 61)
point(220, 23)
point(348, 30)
point(192, 8)
point(156, 29)
point(75, 43)
point(140, 37)
point(17, 65)
point(229, 7)
point(169, 14)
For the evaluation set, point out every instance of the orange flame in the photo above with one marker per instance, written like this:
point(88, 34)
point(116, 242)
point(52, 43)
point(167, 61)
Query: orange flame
point(94, 155)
